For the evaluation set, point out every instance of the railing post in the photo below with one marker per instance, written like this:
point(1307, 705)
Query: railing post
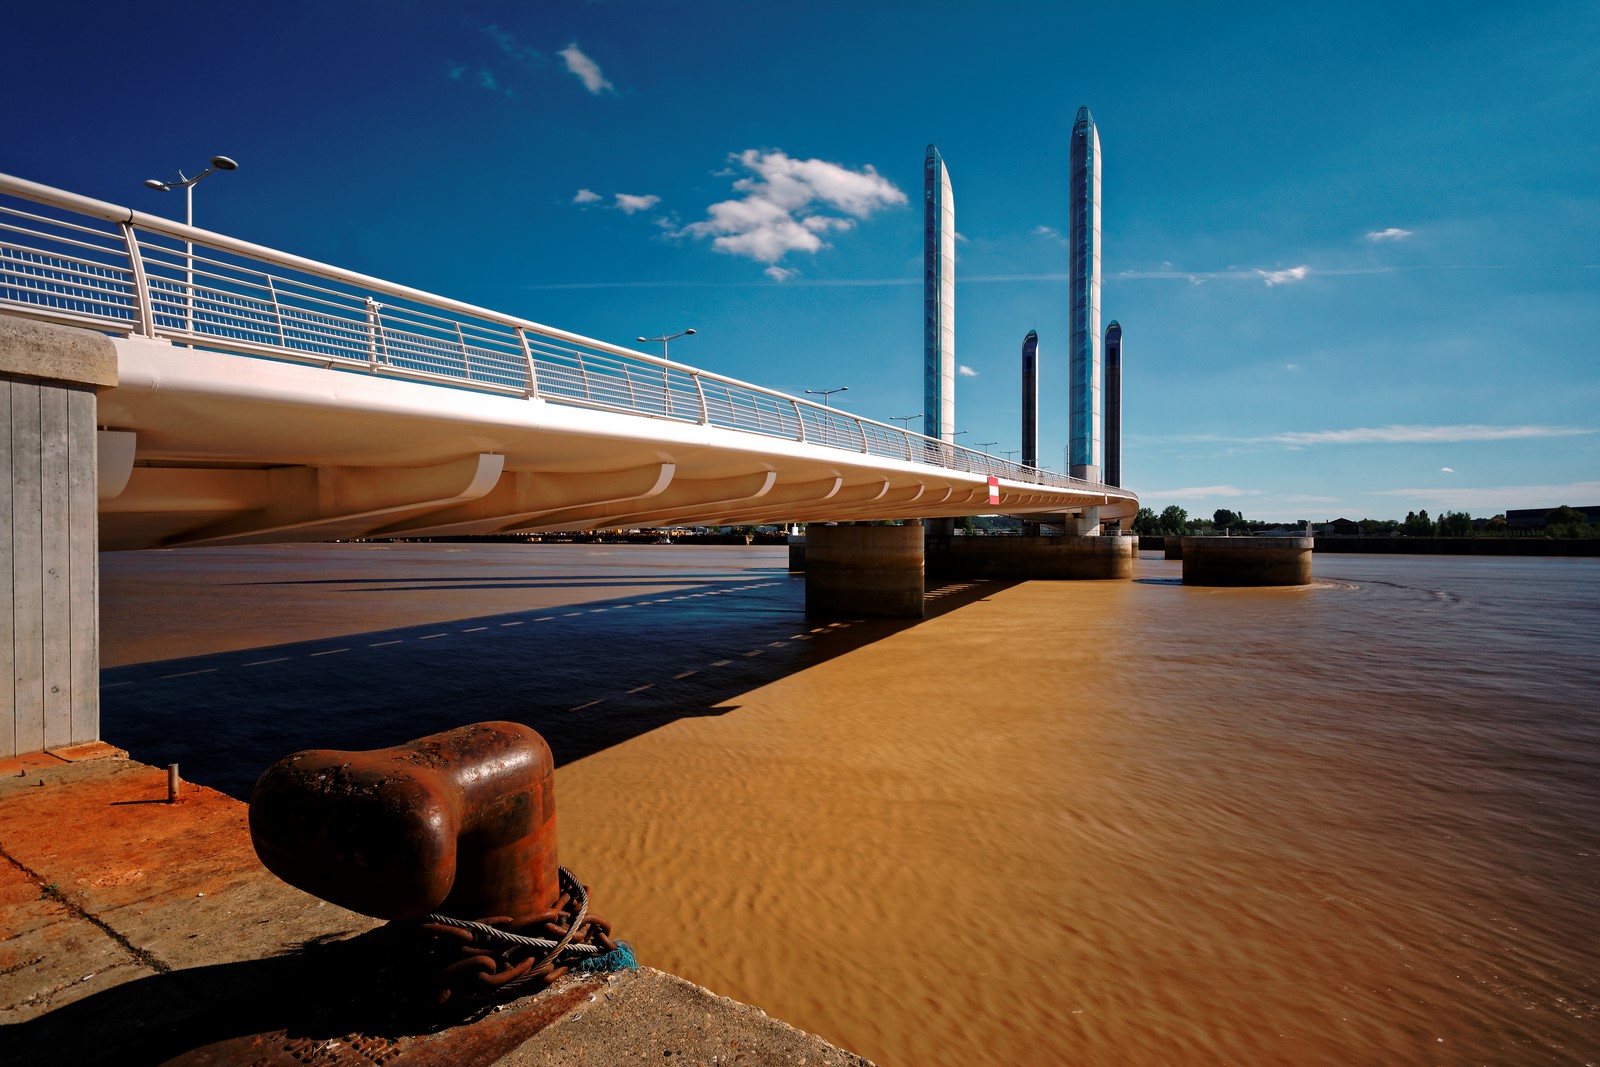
point(373, 332)
point(861, 430)
point(799, 420)
point(700, 391)
point(532, 389)
point(466, 358)
point(277, 311)
point(144, 308)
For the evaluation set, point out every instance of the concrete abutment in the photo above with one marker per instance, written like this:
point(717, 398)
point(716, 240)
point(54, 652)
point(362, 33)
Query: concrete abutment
point(49, 580)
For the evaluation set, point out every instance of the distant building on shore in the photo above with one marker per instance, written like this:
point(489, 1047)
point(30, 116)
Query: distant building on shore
point(1533, 518)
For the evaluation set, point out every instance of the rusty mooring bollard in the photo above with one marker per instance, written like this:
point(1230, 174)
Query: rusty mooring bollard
point(461, 822)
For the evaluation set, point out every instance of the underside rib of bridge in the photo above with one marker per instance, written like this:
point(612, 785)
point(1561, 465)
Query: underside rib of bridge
point(214, 449)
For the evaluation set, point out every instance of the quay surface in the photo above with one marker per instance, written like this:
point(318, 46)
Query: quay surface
point(134, 930)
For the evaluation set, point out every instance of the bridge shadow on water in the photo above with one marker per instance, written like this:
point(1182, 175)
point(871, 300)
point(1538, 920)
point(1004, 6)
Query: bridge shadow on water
point(585, 675)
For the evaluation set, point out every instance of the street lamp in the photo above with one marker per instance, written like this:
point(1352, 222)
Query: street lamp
point(904, 420)
point(187, 185)
point(826, 393)
point(1009, 452)
point(664, 340)
point(984, 445)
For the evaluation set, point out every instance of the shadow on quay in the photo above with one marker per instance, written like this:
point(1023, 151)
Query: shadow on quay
point(585, 675)
point(299, 1006)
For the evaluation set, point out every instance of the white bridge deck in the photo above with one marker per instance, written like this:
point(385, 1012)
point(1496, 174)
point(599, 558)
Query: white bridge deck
point(265, 397)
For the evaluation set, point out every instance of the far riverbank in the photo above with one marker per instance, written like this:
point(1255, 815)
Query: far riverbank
point(1440, 546)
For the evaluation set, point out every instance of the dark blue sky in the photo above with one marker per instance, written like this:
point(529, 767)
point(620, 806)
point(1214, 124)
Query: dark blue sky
point(1355, 248)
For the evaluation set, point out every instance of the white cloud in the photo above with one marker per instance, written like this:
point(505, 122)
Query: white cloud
point(1291, 366)
point(1388, 435)
point(586, 69)
point(966, 371)
point(587, 196)
point(1281, 277)
point(1044, 231)
point(781, 211)
point(1194, 492)
point(628, 203)
point(1393, 233)
point(779, 274)
point(1447, 470)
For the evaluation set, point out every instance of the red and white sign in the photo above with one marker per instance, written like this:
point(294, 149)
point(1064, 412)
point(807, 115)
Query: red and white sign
point(994, 489)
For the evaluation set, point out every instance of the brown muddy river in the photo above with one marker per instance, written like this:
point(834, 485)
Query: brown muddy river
point(1074, 823)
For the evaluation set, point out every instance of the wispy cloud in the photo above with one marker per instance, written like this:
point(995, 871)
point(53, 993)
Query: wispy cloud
point(783, 204)
point(966, 371)
point(1198, 492)
point(780, 274)
point(586, 69)
point(1447, 470)
point(1283, 277)
point(481, 76)
point(587, 196)
point(1393, 435)
point(629, 204)
point(508, 43)
point(1393, 233)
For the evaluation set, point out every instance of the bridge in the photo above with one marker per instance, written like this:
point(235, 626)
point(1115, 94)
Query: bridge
point(263, 397)
point(164, 385)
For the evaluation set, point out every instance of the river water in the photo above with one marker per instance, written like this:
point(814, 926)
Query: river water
point(1076, 822)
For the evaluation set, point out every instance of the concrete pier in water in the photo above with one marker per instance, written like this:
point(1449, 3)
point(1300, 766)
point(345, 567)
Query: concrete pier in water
point(1246, 560)
point(1061, 558)
point(864, 570)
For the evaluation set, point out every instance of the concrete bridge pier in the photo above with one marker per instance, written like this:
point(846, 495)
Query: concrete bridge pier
point(49, 559)
point(864, 570)
point(1065, 558)
point(1247, 560)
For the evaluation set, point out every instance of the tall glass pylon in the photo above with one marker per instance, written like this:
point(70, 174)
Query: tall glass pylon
point(938, 300)
point(1084, 238)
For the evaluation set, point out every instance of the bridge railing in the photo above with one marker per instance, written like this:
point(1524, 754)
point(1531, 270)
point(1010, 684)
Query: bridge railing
point(70, 259)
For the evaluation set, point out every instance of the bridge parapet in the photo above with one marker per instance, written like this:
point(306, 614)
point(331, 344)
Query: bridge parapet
point(76, 261)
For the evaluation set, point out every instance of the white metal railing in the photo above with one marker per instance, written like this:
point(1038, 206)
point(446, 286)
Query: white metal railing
point(73, 260)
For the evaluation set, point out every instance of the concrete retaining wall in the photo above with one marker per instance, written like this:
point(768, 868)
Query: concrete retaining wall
point(1246, 561)
point(864, 570)
point(49, 561)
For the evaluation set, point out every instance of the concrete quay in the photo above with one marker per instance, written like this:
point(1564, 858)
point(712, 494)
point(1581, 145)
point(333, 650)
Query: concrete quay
point(134, 930)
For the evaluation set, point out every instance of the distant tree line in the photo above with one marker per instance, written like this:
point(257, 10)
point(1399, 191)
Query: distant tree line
point(1562, 522)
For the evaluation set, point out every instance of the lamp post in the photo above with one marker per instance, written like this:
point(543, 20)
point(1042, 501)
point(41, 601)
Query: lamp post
point(904, 420)
point(187, 185)
point(1009, 452)
point(664, 340)
point(826, 393)
point(984, 445)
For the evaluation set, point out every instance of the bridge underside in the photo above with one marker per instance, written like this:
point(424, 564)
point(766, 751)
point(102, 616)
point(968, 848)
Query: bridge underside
point(200, 449)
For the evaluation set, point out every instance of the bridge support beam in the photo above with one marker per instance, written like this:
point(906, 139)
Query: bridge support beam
point(1058, 558)
point(1247, 560)
point(864, 570)
point(49, 560)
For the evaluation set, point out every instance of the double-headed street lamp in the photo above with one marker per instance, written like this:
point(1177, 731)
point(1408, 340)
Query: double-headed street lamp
point(664, 340)
point(984, 445)
point(904, 420)
point(187, 185)
point(826, 393)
